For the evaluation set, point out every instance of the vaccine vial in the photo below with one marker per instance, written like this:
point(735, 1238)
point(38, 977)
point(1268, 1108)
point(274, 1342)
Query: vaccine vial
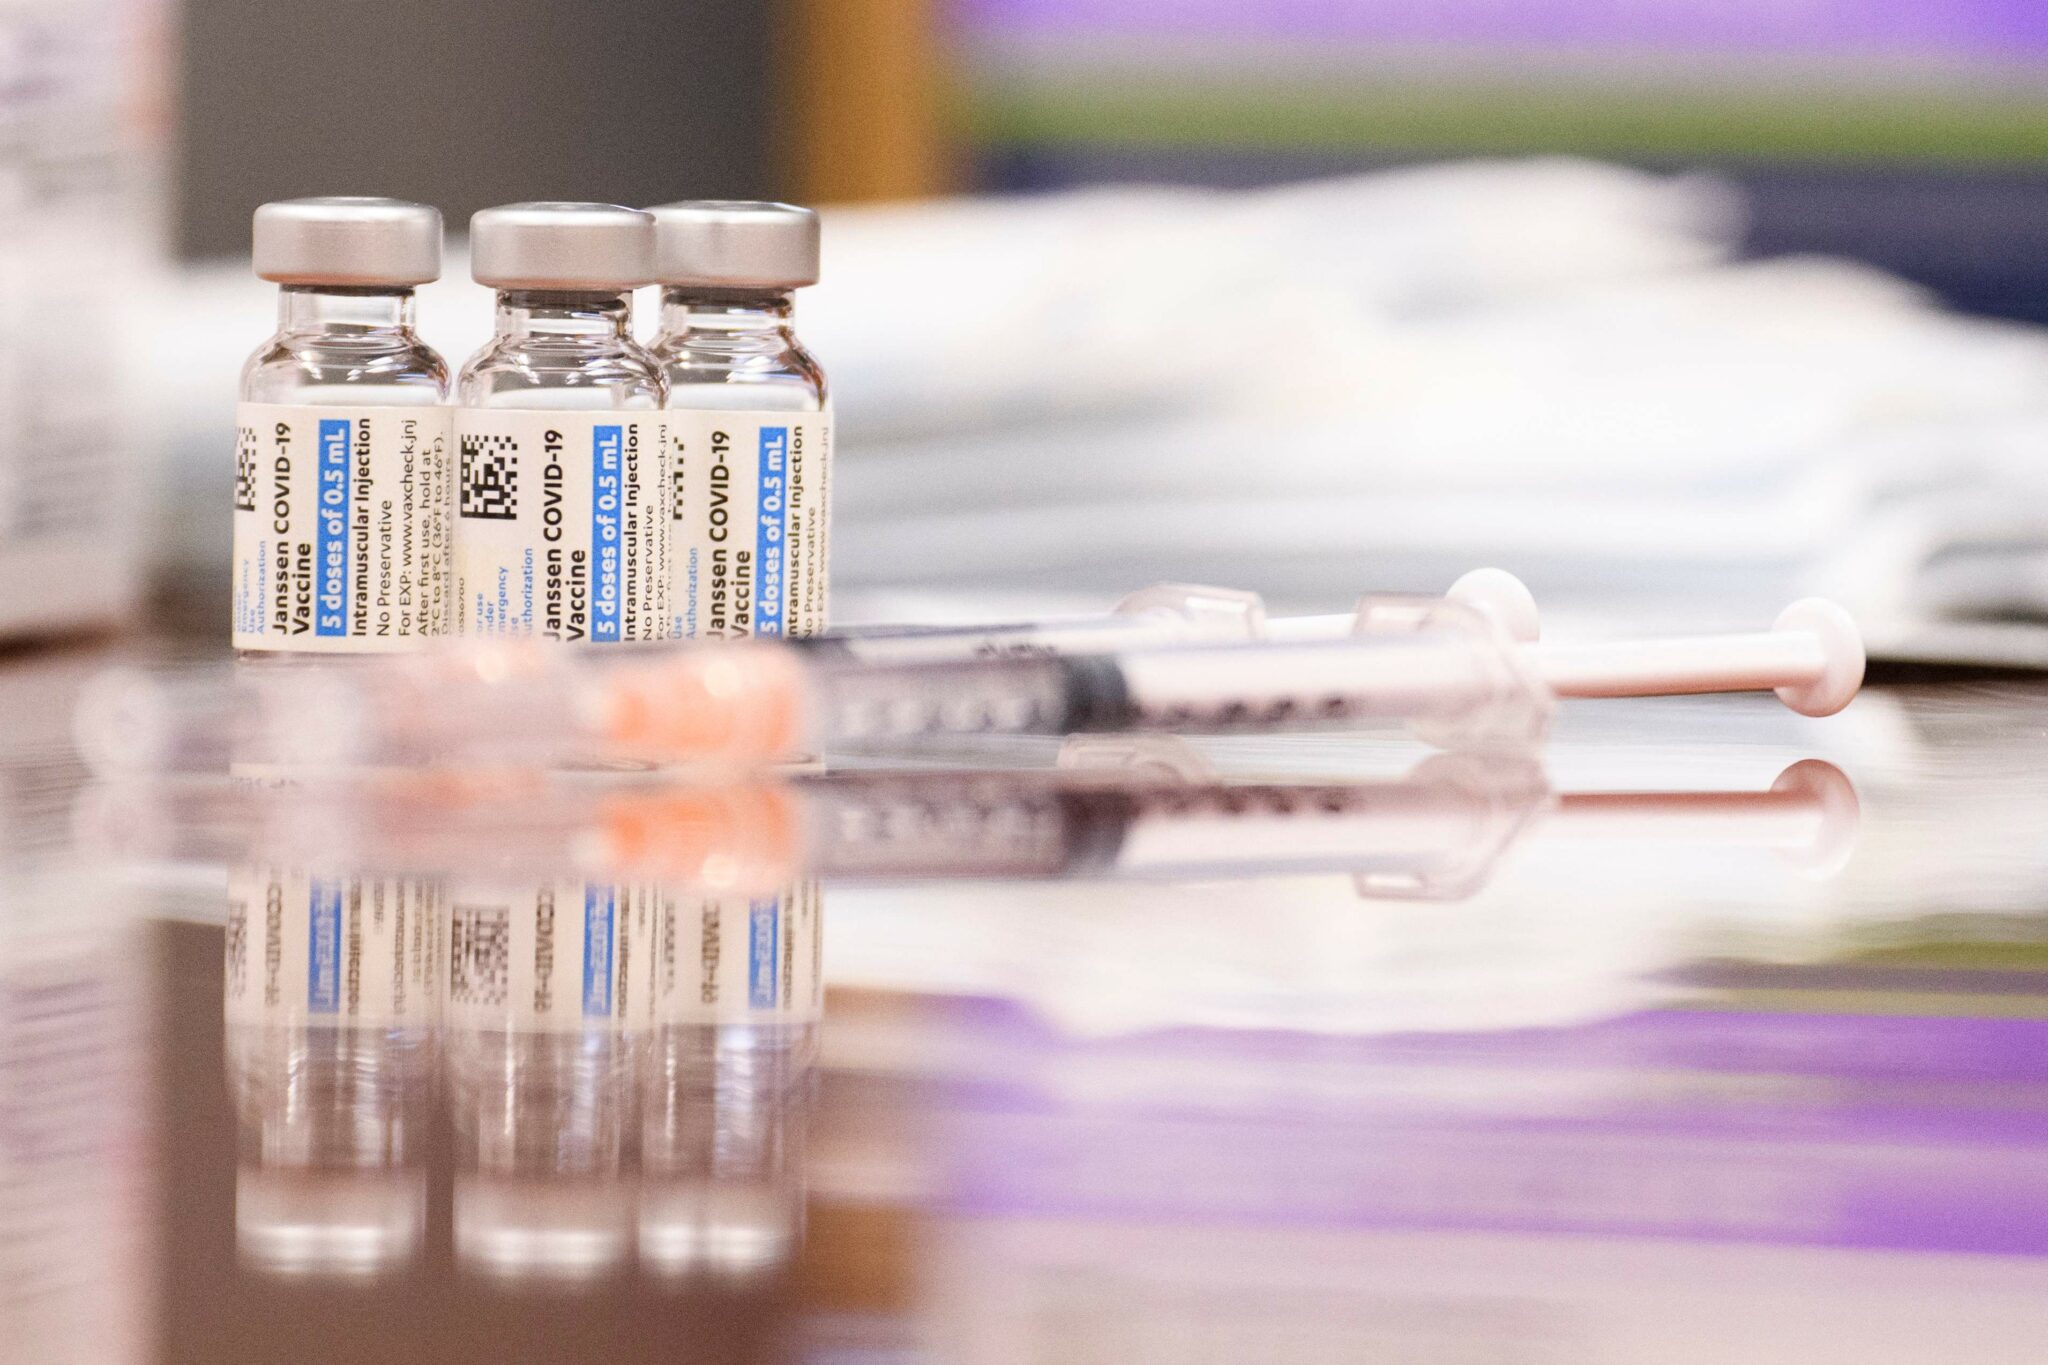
point(748, 432)
point(559, 526)
point(341, 458)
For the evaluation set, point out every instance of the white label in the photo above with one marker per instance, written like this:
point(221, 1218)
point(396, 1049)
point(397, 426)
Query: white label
point(750, 509)
point(557, 526)
point(341, 528)
point(730, 961)
point(351, 951)
point(553, 956)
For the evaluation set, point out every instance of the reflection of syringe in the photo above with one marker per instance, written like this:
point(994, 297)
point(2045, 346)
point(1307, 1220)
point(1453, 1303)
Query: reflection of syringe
point(1448, 672)
point(1430, 833)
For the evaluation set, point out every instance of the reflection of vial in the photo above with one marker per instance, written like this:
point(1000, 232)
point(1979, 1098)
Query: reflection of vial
point(341, 457)
point(558, 528)
point(749, 431)
point(722, 1126)
point(331, 1001)
point(539, 1069)
point(735, 1000)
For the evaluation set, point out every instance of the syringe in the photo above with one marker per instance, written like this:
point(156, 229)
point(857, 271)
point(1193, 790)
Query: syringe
point(1435, 832)
point(1448, 673)
point(1167, 614)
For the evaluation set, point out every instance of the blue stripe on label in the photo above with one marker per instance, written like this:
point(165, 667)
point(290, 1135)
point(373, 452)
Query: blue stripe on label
point(764, 932)
point(607, 445)
point(771, 531)
point(330, 518)
point(598, 902)
point(323, 948)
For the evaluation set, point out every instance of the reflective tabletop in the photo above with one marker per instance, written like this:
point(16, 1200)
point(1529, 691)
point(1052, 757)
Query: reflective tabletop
point(1711, 1033)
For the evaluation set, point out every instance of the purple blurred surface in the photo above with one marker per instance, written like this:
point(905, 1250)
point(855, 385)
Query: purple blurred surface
point(1899, 28)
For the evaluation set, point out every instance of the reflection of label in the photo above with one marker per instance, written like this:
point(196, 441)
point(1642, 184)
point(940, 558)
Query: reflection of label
point(558, 955)
point(558, 525)
point(739, 961)
point(340, 527)
point(303, 948)
point(749, 503)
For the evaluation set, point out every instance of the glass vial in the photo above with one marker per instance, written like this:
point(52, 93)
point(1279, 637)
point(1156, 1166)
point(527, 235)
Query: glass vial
point(748, 442)
point(748, 433)
point(341, 456)
point(558, 528)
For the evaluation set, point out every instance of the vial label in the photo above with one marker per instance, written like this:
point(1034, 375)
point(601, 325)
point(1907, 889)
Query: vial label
point(750, 512)
point(304, 948)
point(553, 956)
point(341, 528)
point(557, 526)
point(732, 961)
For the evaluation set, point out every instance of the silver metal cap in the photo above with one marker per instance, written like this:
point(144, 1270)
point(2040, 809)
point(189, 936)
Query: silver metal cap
point(735, 244)
point(562, 246)
point(348, 241)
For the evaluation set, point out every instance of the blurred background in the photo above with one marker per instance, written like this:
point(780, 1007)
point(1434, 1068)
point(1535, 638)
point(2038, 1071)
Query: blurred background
point(1909, 133)
point(1674, 307)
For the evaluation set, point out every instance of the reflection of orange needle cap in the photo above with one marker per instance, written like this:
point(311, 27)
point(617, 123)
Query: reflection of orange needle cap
point(736, 705)
point(717, 838)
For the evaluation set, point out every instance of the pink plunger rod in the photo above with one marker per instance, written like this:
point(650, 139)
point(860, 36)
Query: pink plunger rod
point(1812, 656)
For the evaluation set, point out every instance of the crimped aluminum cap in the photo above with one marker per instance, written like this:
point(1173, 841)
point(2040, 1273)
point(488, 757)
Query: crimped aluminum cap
point(735, 244)
point(562, 246)
point(348, 241)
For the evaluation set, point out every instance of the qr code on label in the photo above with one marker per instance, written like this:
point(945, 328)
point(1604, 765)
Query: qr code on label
point(479, 954)
point(245, 469)
point(490, 477)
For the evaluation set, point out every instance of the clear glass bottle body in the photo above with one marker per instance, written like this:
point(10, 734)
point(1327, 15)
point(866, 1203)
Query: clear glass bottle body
point(562, 349)
point(735, 352)
point(342, 347)
point(735, 349)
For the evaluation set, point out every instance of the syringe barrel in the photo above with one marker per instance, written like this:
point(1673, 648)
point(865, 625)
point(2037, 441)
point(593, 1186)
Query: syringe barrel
point(495, 704)
point(528, 704)
point(854, 704)
point(1446, 683)
point(951, 644)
